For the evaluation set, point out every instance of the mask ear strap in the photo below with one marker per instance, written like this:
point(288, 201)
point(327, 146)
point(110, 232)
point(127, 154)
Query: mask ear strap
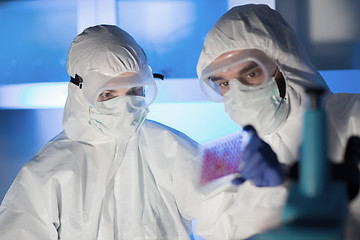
point(280, 82)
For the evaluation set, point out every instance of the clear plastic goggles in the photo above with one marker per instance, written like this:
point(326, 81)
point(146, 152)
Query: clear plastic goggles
point(139, 83)
point(251, 67)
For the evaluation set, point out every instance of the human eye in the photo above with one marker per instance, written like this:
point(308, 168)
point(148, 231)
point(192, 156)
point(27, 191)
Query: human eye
point(223, 84)
point(104, 96)
point(253, 77)
point(254, 73)
point(219, 81)
point(136, 91)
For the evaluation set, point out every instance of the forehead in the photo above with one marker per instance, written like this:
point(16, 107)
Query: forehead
point(228, 60)
point(260, 55)
point(227, 55)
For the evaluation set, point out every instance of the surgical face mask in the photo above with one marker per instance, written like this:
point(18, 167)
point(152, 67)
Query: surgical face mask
point(115, 116)
point(260, 106)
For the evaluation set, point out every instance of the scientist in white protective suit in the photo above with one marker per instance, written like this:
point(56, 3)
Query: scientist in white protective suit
point(252, 61)
point(112, 174)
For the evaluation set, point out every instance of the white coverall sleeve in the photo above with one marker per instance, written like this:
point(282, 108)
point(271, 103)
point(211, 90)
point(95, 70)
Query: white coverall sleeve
point(24, 213)
point(227, 212)
point(230, 211)
point(239, 212)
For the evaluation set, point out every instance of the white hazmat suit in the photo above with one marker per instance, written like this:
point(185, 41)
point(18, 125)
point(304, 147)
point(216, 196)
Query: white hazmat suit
point(116, 175)
point(103, 180)
point(259, 27)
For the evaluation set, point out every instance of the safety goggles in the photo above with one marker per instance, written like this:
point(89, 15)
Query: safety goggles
point(139, 83)
point(251, 67)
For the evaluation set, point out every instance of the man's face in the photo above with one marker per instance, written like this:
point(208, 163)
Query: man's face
point(248, 73)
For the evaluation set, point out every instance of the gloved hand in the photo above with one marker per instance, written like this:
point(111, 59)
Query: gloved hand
point(259, 163)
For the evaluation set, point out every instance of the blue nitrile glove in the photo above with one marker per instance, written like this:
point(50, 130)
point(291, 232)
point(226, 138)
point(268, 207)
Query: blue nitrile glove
point(259, 163)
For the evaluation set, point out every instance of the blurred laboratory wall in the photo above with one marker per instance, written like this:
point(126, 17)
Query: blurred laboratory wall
point(22, 133)
point(35, 38)
point(328, 29)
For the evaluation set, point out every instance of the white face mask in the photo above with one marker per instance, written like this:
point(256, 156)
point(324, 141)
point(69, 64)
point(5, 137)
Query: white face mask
point(115, 116)
point(260, 106)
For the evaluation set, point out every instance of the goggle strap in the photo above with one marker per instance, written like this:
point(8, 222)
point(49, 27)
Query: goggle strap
point(77, 80)
point(158, 75)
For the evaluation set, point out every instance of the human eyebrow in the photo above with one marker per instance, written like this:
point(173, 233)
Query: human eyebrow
point(248, 68)
point(215, 79)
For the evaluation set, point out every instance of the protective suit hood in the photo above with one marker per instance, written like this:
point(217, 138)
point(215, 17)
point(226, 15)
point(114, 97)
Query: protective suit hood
point(98, 56)
point(259, 27)
point(102, 48)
